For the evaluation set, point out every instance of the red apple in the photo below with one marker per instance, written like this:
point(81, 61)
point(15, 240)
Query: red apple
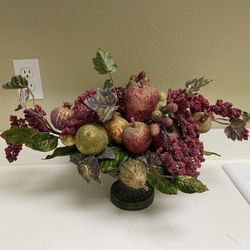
point(137, 137)
point(140, 101)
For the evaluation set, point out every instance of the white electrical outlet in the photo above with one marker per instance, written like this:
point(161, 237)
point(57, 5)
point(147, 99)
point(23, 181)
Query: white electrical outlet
point(29, 68)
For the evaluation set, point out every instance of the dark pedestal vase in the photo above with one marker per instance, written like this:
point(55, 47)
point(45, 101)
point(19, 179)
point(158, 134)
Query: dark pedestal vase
point(127, 198)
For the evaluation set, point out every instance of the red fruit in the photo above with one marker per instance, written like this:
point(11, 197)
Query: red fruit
point(167, 122)
point(171, 108)
point(140, 101)
point(137, 137)
point(60, 115)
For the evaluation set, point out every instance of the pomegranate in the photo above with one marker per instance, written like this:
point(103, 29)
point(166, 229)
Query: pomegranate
point(140, 100)
point(60, 115)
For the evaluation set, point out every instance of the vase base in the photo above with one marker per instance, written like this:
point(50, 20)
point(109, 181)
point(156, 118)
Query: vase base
point(131, 199)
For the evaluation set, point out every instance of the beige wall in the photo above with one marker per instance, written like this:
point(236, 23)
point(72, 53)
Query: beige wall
point(173, 40)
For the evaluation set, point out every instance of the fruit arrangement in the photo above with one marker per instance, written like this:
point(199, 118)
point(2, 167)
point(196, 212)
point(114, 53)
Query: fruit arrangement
point(136, 133)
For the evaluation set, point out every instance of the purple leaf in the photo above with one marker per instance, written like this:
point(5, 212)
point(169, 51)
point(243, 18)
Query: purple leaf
point(235, 129)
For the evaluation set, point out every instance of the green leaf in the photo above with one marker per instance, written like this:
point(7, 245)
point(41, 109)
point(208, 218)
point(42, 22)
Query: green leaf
point(109, 165)
point(62, 151)
point(195, 84)
point(246, 116)
point(107, 84)
point(104, 63)
point(189, 184)
point(32, 138)
point(162, 183)
point(43, 142)
point(18, 135)
point(17, 82)
point(208, 153)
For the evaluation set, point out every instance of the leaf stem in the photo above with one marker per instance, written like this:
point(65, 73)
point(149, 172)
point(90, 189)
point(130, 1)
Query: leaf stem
point(223, 123)
point(111, 78)
point(50, 127)
point(222, 119)
point(45, 122)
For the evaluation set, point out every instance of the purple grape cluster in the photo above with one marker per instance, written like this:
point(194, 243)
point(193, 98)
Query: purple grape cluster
point(36, 118)
point(81, 114)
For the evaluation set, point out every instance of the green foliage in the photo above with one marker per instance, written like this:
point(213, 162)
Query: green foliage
point(162, 183)
point(107, 84)
point(43, 142)
point(246, 116)
point(32, 138)
point(189, 184)
point(18, 135)
point(109, 165)
point(62, 151)
point(208, 153)
point(195, 84)
point(16, 82)
point(104, 63)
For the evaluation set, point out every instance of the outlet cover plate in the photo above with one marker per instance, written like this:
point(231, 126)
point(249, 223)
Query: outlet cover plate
point(30, 69)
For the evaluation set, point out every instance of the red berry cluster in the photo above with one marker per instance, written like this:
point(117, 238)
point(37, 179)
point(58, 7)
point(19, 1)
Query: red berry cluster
point(17, 123)
point(225, 109)
point(245, 133)
point(182, 157)
point(120, 93)
point(183, 154)
point(12, 151)
point(35, 118)
point(81, 113)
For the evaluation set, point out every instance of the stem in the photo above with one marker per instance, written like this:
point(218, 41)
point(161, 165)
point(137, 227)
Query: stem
point(223, 119)
point(45, 122)
point(166, 176)
point(133, 122)
point(223, 123)
point(50, 128)
point(111, 78)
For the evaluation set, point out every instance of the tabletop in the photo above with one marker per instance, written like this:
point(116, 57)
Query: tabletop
point(49, 206)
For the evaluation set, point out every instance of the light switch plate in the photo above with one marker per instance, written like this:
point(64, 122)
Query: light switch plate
point(30, 69)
